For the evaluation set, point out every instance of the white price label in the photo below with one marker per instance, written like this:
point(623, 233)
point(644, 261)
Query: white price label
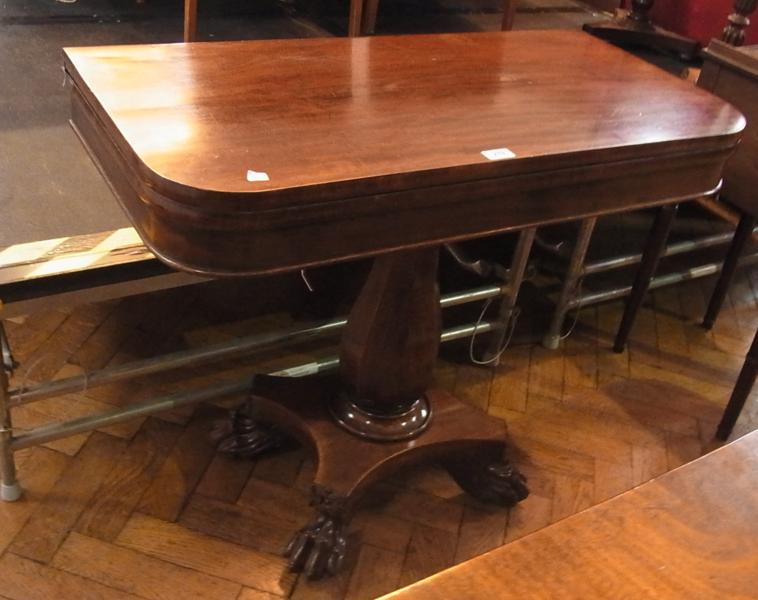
point(498, 154)
point(256, 175)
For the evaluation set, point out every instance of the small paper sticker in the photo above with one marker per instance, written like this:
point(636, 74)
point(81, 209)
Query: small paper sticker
point(498, 154)
point(256, 175)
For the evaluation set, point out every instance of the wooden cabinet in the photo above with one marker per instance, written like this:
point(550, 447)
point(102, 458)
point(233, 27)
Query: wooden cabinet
point(732, 74)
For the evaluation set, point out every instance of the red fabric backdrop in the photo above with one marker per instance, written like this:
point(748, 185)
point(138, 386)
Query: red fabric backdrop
point(699, 19)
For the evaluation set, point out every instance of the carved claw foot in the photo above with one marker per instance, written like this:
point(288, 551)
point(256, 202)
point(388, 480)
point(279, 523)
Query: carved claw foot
point(318, 549)
point(493, 481)
point(243, 436)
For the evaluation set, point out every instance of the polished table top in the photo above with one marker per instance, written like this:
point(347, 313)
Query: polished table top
point(316, 131)
point(691, 533)
point(318, 112)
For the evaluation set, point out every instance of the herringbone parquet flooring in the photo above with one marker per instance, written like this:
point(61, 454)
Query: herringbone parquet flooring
point(148, 510)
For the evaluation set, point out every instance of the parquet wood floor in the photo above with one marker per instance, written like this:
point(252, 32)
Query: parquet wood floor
point(148, 510)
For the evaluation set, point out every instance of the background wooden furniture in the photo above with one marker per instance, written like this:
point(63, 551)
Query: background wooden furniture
point(190, 20)
point(370, 9)
point(732, 74)
point(356, 170)
point(702, 19)
point(691, 533)
point(636, 28)
point(361, 17)
point(363, 14)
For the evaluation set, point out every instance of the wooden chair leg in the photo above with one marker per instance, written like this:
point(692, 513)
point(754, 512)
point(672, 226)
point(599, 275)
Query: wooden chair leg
point(509, 13)
point(370, 11)
point(740, 393)
point(741, 236)
point(739, 20)
point(190, 20)
point(355, 19)
point(650, 258)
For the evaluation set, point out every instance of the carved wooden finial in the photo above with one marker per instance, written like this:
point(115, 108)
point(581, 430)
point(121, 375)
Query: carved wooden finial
point(734, 32)
point(640, 10)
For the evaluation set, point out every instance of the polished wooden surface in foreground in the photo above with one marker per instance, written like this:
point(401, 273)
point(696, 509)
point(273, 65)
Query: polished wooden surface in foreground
point(692, 533)
point(251, 157)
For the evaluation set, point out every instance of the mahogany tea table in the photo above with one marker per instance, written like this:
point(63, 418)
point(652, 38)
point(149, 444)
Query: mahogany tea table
point(248, 158)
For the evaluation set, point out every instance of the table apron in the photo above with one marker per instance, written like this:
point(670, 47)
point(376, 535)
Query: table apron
point(263, 242)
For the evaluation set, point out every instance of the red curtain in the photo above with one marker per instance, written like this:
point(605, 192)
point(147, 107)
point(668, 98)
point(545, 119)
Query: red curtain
point(699, 19)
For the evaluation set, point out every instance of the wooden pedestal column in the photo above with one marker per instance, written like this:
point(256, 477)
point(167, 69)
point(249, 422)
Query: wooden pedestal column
point(378, 413)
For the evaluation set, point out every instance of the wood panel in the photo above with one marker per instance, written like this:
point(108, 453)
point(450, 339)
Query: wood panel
point(146, 576)
point(51, 522)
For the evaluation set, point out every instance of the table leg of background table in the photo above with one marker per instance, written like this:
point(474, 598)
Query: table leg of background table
point(190, 20)
point(741, 236)
point(740, 393)
point(509, 15)
point(651, 256)
point(355, 19)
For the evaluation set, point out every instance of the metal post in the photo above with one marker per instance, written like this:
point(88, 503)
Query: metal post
point(64, 429)
point(570, 283)
point(659, 281)
point(506, 314)
point(10, 489)
point(683, 247)
point(216, 352)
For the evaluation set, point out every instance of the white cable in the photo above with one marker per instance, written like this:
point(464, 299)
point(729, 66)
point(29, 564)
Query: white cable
point(576, 313)
point(506, 342)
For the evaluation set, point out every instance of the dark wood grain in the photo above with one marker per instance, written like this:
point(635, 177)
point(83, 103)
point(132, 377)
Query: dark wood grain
point(691, 533)
point(384, 364)
point(468, 442)
point(357, 135)
point(300, 405)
